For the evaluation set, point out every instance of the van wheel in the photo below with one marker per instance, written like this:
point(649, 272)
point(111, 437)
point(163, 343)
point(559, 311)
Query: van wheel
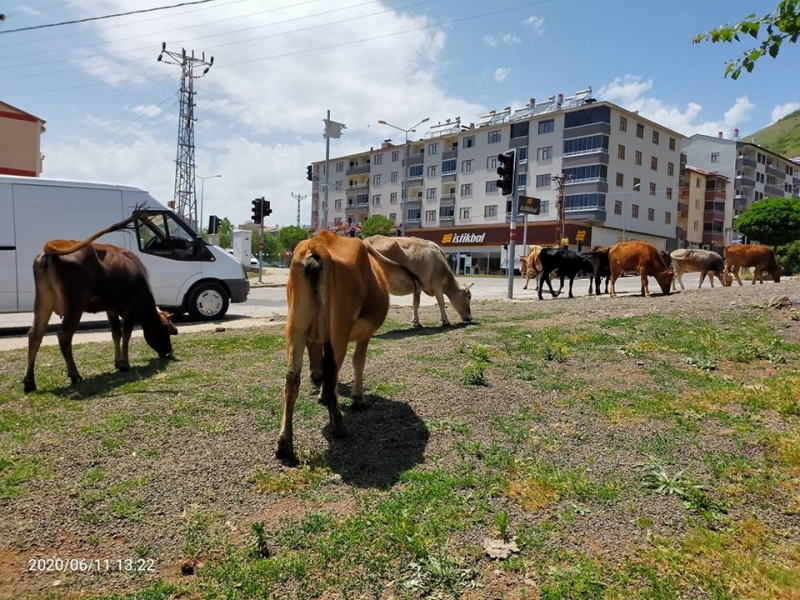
point(208, 302)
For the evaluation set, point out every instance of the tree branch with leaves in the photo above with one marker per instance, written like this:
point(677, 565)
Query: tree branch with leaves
point(779, 26)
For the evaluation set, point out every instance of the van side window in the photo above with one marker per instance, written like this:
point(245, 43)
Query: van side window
point(161, 234)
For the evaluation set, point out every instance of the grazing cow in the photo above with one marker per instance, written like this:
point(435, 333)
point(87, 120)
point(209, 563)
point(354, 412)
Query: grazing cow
point(690, 260)
point(337, 294)
point(642, 257)
point(75, 277)
point(416, 265)
point(600, 268)
point(762, 258)
point(568, 264)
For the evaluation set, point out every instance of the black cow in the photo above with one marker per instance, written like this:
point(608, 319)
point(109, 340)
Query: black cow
point(566, 262)
point(601, 267)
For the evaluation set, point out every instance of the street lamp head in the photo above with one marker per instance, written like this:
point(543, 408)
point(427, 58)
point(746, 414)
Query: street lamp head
point(382, 122)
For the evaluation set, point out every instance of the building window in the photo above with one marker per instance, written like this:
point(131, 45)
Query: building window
point(543, 180)
point(697, 182)
point(620, 179)
point(617, 207)
point(491, 186)
point(577, 202)
point(393, 217)
point(340, 184)
point(522, 180)
point(337, 204)
point(635, 211)
point(651, 214)
point(376, 200)
point(547, 126)
point(430, 215)
point(695, 225)
point(652, 189)
point(697, 204)
point(637, 158)
point(433, 148)
point(519, 130)
point(376, 180)
point(466, 189)
point(449, 166)
point(639, 130)
point(586, 173)
point(394, 176)
point(623, 124)
point(545, 207)
point(586, 145)
point(430, 193)
point(655, 137)
point(491, 162)
point(339, 167)
point(672, 143)
point(468, 142)
point(447, 212)
point(667, 218)
point(671, 169)
point(395, 155)
point(636, 184)
point(545, 153)
point(415, 172)
point(463, 213)
point(379, 159)
point(432, 171)
point(490, 211)
point(393, 198)
point(669, 193)
point(522, 154)
point(466, 166)
point(621, 152)
point(495, 137)
point(414, 214)
point(654, 163)
point(715, 157)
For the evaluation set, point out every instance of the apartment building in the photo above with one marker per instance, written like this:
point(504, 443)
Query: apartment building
point(622, 174)
point(752, 173)
point(20, 142)
point(701, 210)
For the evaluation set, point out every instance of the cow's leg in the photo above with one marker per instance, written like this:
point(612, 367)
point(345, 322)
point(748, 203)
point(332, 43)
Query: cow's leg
point(332, 358)
point(296, 335)
point(545, 276)
point(571, 279)
point(359, 360)
point(645, 289)
point(614, 277)
point(702, 278)
point(417, 294)
point(315, 363)
point(128, 321)
point(42, 311)
point(440, 302)
point(608, 277)
point(116, 335)
point(527, 279)
point(735, 271)
point(68, 328)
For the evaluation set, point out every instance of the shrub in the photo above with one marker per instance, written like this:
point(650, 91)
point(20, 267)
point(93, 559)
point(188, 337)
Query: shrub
point(788, 257)
point(473, 374)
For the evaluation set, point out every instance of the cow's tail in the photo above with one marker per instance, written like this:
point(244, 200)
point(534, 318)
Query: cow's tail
point(414, 279)
point(62, 247)
point(317, 270)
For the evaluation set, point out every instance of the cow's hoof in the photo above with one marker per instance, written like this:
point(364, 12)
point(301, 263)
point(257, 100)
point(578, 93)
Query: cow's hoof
point(29, 386)
point(123, 366)
point(76, 381)
point(316, 380)
point(417, 325)
point(446, 324)
point(358, 402)
point(340, 431)
point(284, 450)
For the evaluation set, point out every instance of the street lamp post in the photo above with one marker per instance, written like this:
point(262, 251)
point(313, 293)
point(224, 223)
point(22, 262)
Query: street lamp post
point(404, 191)
point(625, 206)
point(202, 191)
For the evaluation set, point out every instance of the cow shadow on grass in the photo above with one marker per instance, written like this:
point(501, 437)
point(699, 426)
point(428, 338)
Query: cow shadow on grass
point(106, 382)
point(386, 438)
point(399, 334)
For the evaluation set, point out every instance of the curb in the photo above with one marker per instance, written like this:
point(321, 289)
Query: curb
point(18, 330)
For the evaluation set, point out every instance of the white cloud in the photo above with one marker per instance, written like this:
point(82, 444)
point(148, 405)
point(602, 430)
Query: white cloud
point(26, 10)
point(146, 110)
point(510, 39)
point(490, 41)
point(629, 92)
point(501, 74)
point(535, 23)
point(781, 110)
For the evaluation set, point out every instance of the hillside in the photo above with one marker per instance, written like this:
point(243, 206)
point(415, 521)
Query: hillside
point(782, 137)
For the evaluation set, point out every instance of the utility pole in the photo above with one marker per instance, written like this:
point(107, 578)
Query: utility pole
point(299, 198)
point(559, 181)
point(333, 129)
point(185, 199)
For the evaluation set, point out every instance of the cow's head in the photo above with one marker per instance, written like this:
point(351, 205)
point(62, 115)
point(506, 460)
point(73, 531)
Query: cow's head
point(664, 279)
point(523, 265)
point(460, 301)
point(158, 335)
point(727, 278)
point(776, 273)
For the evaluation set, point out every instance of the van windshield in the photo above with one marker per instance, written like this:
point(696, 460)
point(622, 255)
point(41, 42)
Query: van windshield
point(161, 233)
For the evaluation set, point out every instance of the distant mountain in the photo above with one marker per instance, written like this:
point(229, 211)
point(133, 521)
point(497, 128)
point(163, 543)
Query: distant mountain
point(782, 137)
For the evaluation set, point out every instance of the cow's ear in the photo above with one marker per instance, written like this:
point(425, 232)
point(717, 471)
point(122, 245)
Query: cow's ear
point(470, 285)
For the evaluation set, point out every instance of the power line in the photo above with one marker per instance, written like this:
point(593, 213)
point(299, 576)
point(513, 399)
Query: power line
point(87, 19)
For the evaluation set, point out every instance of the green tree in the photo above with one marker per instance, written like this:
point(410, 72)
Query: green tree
point(272, 246)
point(376, 225)
point(781, 25)
point(291, 236)
point(788, 257)
point(225, 233)
point(772, 221)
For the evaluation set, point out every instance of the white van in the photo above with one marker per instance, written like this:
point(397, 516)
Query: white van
point(186, 274)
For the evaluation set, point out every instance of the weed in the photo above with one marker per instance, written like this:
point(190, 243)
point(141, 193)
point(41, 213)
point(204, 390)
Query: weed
point(555, 352)
point(473, 374)
point(657, 478)
point(433, 576)
point(259, 548)
point(704, 364)
point(480, 353)
point(501, 519)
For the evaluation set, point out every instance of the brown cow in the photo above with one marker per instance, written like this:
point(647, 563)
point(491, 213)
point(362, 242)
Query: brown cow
point(642, 257)
point(752, 255)
point(692, 260)
point(416, 265)
point(75, 277)
point(337, 294)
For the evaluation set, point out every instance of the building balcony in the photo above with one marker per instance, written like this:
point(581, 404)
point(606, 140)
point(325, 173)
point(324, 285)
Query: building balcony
point(448, 200)
point(585, 180)
point(594, 214)
point(683, 209)
point(713, 237)
point(772, 191)
point(775, 172)
point(416, 159)
point(743, 181)
point(357, 189)
point(447, 220)
point(357, 170)
point(449, 177)
point(449, 154)
point(712, 195)
point(355, 207)
point(740, 203)
point(745, 161)
point(680, 233)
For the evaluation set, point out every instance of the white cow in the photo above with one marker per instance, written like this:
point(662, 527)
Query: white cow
point(425, 261)
point(691, 260)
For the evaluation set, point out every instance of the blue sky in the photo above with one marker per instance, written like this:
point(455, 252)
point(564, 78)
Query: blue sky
point(111, 108)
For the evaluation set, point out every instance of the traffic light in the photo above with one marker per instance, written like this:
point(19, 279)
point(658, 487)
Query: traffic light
point(309, 174)
point(258, 210)
point(213, 224)
point(266, 210)
point(506, 171)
